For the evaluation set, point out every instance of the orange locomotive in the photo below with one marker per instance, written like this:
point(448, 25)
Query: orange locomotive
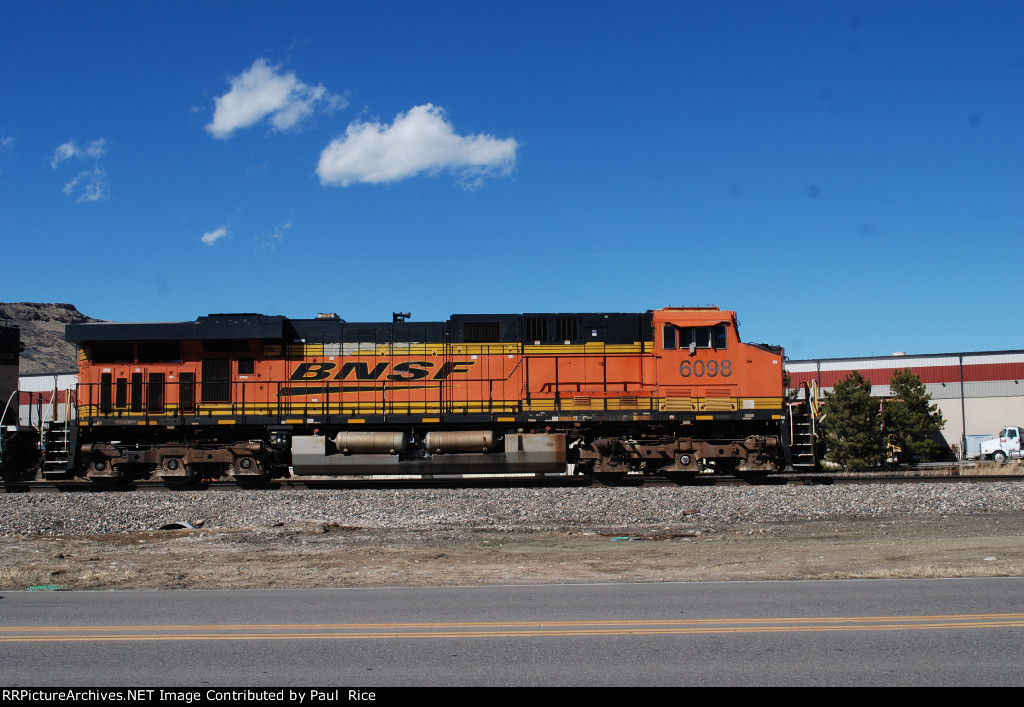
point(253, 397)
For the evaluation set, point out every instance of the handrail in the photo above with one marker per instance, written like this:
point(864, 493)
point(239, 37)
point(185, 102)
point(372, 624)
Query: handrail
point(6, 408)
point(8, 405)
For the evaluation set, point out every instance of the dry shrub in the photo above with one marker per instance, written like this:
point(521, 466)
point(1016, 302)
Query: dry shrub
point(103, 578)
point(21, 577)
point(929, 571)
point(1014, 467)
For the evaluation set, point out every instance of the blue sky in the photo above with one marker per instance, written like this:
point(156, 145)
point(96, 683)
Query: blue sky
point(848, 176)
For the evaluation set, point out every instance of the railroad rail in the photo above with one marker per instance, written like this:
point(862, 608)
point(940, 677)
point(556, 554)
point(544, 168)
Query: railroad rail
point(926, 473)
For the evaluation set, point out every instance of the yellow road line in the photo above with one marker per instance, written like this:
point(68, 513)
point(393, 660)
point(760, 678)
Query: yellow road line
point(509, 629)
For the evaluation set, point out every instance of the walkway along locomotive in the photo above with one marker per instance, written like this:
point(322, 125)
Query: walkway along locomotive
point(252, 397)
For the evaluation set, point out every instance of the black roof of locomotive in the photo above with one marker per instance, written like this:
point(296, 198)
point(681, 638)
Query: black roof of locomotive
point(214, 326)
point(598, 326)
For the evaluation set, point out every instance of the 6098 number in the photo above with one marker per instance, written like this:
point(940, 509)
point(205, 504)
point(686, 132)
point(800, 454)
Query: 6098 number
point(710, 369)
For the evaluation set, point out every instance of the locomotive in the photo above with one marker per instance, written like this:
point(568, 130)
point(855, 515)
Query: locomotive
point(670, 392)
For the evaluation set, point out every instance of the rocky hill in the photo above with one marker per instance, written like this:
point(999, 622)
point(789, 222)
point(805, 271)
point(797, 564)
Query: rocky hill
point(42, 333)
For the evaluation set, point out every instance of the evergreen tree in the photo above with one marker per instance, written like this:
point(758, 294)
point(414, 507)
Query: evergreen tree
point(911, 418)
point(851, 424)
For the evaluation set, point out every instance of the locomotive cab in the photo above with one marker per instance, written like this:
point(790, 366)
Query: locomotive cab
point(702, 366)
point(696, 359)
point(718, 390)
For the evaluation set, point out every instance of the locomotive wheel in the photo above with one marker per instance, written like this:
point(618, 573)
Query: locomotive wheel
point(251, 480)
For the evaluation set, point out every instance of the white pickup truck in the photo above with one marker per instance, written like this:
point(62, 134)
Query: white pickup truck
point(1005, 445)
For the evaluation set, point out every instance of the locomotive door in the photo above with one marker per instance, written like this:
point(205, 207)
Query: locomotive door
point(215, 386)
point(445, 389)
point(130, 391)
point(362, 375)
point(185, 386)
point(458, 380)
point(113, 395)
point(416, 356)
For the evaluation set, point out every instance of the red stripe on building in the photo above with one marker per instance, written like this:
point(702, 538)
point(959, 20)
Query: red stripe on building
point(973, 373)
point(31, 397)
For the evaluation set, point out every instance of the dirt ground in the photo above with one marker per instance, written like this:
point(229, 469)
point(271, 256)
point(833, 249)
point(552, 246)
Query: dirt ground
point(326, 555)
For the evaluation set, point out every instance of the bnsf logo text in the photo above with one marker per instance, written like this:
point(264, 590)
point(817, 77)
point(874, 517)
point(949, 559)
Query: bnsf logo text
point(360, 370)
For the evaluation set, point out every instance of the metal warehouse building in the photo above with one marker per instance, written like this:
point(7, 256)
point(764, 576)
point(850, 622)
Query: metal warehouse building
point(46, 396)
point(978, 393)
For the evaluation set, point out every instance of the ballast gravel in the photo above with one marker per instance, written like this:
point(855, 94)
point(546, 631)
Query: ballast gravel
point(690, 509)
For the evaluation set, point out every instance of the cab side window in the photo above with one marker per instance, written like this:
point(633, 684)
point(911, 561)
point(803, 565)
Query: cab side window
point(703, 337)
point(700, 337)
point(668, 333)
point(718, 334)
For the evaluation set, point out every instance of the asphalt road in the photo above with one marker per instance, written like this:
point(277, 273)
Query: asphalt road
point(861, 632)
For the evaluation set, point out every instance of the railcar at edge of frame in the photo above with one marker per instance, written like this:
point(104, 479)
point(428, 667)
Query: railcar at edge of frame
point(19, 444)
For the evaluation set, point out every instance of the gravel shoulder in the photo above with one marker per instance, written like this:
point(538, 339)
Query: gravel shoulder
point(416, 537)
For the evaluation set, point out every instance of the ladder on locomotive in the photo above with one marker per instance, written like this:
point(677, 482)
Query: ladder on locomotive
point(58, 442)
point(803, 428)
point(59, 437)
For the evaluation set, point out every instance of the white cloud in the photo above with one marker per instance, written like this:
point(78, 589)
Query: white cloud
point(95, 150)
point(270, 241)
point(212, 237)
point(261, 91)
point(90, 185)
point(421, 140)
